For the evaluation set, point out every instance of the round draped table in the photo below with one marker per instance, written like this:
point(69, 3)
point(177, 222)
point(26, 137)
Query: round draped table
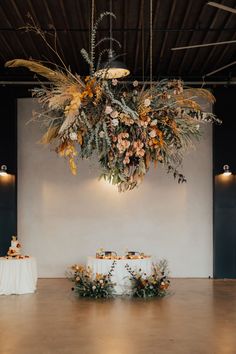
point(18, 276)
point(120, 275)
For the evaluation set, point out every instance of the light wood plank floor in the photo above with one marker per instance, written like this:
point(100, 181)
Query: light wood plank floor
point(199, 317)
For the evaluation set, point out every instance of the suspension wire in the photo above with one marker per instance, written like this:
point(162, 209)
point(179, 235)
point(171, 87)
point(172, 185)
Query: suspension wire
point(110, 31)
point(143, 69)
point(91, 30)
point(151, 15)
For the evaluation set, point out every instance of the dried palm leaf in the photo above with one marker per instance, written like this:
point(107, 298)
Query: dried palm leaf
point(199, 92)
point(37, 68)
point(49, 135)
point(188, 104)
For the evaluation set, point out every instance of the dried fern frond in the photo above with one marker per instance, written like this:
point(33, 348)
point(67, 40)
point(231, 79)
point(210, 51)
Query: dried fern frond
point(86, 57)
point(37, 68)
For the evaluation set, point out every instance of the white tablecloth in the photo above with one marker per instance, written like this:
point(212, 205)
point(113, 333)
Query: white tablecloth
point(18, 276)
point(120, 275)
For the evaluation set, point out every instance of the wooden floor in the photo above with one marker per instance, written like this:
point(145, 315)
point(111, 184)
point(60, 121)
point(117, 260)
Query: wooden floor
point(199, 317)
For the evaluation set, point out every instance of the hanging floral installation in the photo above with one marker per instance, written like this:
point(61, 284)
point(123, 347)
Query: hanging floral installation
point(126, 127)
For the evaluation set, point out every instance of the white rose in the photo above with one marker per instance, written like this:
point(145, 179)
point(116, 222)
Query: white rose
point(153, 133)
point(93, 287)
point(102, 134)
point(108, 109)
point(114, 114)
point(135, 83)
point(73, 136)
point(154, 122)
point(115, 122)
point(147, 102)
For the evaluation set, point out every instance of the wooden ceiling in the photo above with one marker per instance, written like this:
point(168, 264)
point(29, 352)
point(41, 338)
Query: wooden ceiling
point(175, 23)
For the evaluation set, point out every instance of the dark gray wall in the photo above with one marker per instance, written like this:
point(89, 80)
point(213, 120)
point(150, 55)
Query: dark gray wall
point(8, 156)
point(224, 150)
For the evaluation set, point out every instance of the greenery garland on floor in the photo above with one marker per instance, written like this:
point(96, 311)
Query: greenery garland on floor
point(86, 284)
point(98, 286)
point(154, 285)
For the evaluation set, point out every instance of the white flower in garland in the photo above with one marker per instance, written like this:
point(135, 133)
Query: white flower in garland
point(153, 133)
point(154, 122)
point(108, 109)
point(114, 82)
point(115, 122)
point(73, 136)
point(147, 102)
point(101, 134)
point(135, 83)
point(114, 114)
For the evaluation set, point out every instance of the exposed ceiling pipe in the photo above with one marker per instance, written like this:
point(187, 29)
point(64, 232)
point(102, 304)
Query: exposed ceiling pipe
point(203, 45)
point(32, 83)
point(222, 7)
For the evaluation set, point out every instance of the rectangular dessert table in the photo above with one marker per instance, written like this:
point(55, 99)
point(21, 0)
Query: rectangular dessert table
point(120, 275)
point(18, 276)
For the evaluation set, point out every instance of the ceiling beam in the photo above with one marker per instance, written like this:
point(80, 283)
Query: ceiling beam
point(126, 29)
point(138, 37)
point(212, 52)
point(186, 17)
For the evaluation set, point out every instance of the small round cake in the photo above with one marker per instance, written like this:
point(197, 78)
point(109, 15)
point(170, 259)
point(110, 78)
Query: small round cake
point(15, 248)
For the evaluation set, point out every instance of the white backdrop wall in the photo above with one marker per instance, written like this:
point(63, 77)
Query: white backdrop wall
point(63, 218)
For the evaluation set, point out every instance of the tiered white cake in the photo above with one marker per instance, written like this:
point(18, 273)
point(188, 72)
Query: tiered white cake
point(15, 248)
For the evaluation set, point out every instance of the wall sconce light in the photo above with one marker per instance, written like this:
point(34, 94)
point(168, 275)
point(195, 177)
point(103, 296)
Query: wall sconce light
point(227, 171)
point(3, 170)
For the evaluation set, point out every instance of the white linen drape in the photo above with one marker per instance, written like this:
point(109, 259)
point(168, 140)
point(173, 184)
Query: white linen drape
point(18, 276)
point(120, 275)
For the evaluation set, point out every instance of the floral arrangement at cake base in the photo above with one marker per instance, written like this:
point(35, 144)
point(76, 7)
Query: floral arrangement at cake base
point(86, 284)
point(147, 286)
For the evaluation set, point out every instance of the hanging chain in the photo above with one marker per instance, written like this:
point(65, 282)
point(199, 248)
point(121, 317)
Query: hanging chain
point(151, 15)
